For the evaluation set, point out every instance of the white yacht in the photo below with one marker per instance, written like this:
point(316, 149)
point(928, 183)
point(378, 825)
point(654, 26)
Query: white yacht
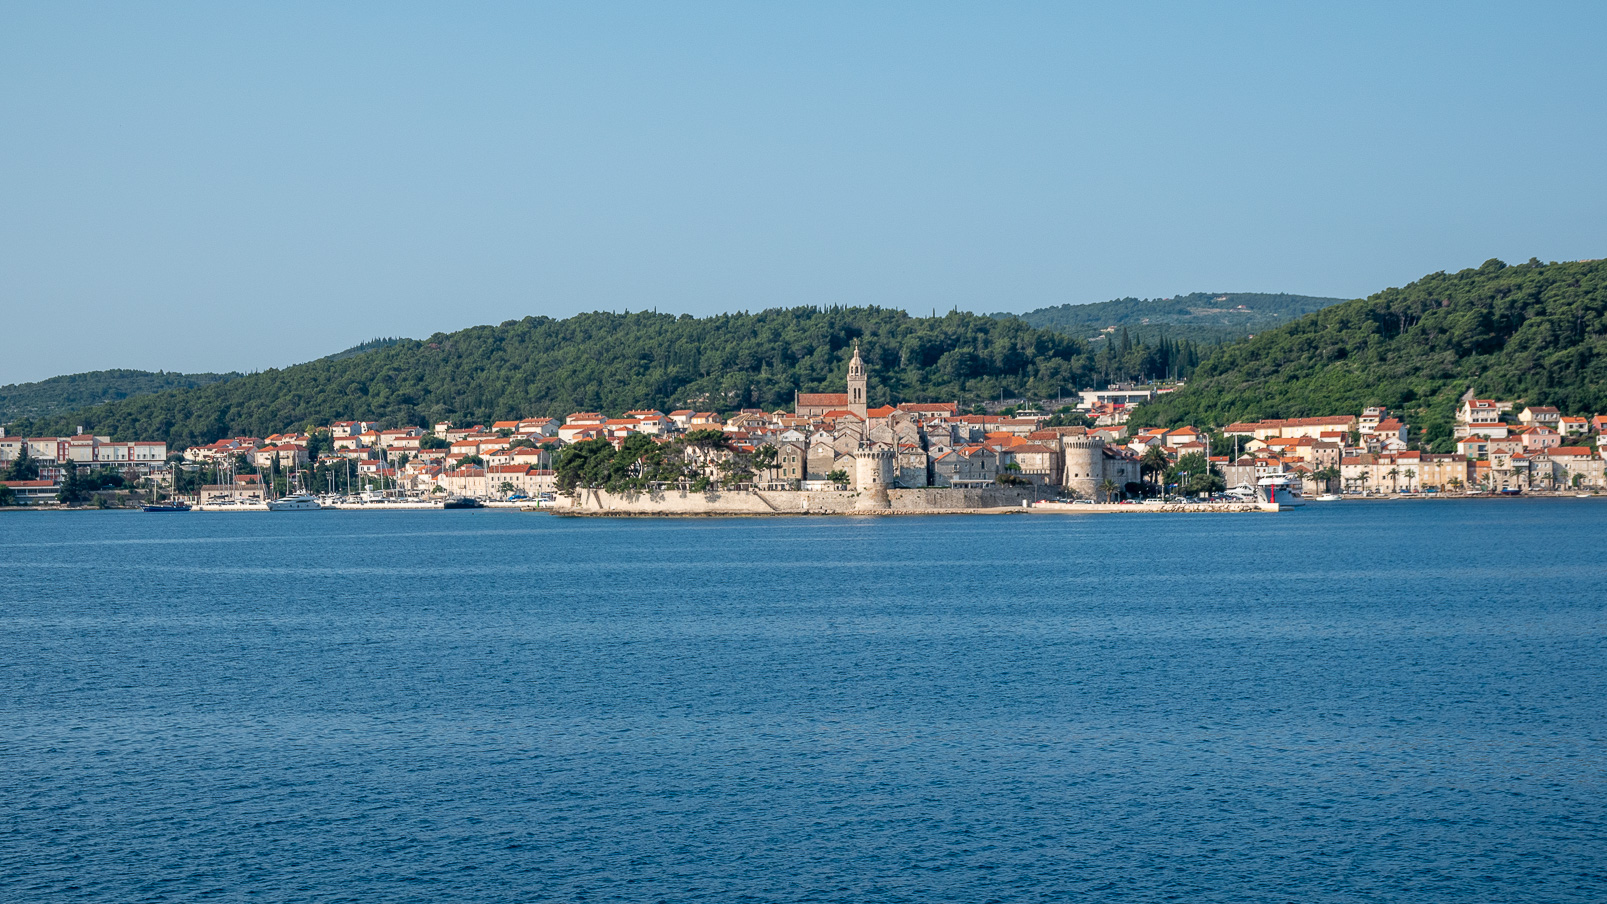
point(1242, 493)
point(1285, 491)
point(299, 502)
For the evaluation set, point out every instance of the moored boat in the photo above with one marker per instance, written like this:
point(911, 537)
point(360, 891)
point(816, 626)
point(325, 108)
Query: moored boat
point(174, 506)
point(173, 503)
point(1284, 491)
point(462, 502)
point(299, 502)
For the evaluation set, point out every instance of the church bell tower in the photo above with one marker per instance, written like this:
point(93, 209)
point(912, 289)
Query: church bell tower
point(856, 384)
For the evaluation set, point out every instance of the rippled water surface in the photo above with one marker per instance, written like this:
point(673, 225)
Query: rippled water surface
point(1352, 702)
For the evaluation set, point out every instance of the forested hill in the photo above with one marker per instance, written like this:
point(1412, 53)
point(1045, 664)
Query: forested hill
point(614, 362)
point(1201, 317)
point(75, 391)
point(1533, 332)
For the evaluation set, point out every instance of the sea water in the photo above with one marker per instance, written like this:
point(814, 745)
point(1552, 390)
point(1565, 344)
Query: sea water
point(1350, 702)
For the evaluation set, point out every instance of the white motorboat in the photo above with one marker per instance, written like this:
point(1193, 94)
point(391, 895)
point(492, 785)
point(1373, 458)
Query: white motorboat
point(1284, 491)
point(1242, 493)
point(1327, 497)
point(299, 502)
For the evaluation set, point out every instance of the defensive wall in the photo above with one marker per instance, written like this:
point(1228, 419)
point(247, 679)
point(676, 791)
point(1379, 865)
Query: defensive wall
point(1113, 508)
point(925, 501)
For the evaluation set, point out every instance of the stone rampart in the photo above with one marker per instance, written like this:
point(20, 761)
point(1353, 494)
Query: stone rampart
point(1080, 508)
point(928, 500)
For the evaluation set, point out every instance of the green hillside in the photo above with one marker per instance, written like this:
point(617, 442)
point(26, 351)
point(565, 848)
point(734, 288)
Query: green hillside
point(58, 395)
point(1201, 317)
point(75, 391)
point(614, 362)
point(1533, 332)
point(361, 348)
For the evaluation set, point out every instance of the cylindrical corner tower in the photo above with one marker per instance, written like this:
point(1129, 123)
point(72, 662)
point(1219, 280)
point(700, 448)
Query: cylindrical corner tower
point(1085, 465)
point(873, 474)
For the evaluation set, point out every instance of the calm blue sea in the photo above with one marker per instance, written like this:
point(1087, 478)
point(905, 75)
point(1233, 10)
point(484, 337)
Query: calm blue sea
point(1353, 702)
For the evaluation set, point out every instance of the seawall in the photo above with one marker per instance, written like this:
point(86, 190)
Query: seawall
point(926, 501)
point(1074, 508)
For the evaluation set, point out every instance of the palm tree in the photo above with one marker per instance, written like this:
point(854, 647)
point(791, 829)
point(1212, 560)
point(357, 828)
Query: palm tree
point(1327, 475)
point(1410, 473)
point(1394, 475)
point(1154, 460)
point(1107, 488)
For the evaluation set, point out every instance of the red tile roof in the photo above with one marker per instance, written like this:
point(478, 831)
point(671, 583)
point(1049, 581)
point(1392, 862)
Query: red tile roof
point(822, 399)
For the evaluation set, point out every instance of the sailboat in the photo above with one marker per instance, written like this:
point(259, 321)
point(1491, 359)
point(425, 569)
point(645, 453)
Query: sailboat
point(174, 503)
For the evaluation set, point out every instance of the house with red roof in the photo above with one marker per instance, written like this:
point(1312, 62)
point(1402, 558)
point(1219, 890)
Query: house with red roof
point(1573, 426)
point(1541, 415)
point(1539, 437)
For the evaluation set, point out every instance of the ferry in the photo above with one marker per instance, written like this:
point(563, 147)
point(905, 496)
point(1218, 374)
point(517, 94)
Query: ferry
point(1285, 491)
point(300, 502)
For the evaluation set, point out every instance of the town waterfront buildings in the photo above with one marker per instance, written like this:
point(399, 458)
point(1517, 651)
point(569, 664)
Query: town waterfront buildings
point(835, 439)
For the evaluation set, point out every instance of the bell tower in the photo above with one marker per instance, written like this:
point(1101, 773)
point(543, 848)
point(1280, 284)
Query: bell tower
point(856, 384)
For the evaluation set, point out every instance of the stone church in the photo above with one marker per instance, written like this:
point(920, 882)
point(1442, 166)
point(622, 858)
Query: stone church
point(819, 404)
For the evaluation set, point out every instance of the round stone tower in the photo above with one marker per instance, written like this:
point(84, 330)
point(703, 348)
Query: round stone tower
point(873, 474)
point(1085, 465)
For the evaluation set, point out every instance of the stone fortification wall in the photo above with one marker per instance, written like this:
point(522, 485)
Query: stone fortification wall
point(790, 502)
point(1067, 508)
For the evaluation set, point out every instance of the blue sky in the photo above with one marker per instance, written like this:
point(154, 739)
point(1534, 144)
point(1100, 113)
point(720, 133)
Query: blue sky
point(193, 187)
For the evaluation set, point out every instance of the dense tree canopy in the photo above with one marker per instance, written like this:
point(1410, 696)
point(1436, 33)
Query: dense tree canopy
point(613, 362)
point(75, 391)
point(1535, 333)
point(641, 463)
point(1122, 358)
point(1200, 317)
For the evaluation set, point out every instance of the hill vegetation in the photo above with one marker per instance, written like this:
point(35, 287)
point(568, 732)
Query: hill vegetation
point(72, 392)
point(1534, 332)
point(614, 362)
point(370, 345)
point(75, 391)
point(1199, 317)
